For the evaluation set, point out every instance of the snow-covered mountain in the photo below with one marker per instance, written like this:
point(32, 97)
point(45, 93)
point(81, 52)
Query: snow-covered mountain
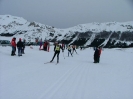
point(109, 34)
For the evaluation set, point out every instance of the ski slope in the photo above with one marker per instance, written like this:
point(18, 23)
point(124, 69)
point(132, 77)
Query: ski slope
point(76, 77)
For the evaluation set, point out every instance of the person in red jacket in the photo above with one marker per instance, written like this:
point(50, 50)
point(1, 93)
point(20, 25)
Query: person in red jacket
point(13, 44)
point(48, 46)
point(45, 46)
point(100, 50)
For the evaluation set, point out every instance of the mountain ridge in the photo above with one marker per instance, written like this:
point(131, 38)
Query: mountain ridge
point(82, 34)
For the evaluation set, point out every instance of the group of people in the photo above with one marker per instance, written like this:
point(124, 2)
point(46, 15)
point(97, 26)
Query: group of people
point(46, 45)
point(57, 47)
point(20, 45)
point(72, 49)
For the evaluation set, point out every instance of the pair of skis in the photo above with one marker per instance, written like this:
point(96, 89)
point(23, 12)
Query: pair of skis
point(50, 62)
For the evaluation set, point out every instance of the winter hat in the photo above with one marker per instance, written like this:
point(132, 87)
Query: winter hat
point(14, 38)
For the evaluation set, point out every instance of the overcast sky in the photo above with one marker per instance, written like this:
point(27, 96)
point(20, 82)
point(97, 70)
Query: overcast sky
point(68, 13)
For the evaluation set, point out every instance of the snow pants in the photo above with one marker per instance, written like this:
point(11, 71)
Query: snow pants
point(56, 53)
point(96, 59)
point(19, 51)
point(13, 50)
point(74, 50)
point(69, 51)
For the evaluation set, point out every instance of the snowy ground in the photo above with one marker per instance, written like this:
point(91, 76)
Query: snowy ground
point(77, 77)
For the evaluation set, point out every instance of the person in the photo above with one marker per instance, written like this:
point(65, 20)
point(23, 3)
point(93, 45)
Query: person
point(63, 46)
point(81, 47)
point(16, 45)
point(23, 48)
point(36, 40)
point(69, 50)
point(20, 47)
point(57, 48)
point(45, 46)
point(74, 49)
point(96, 55)
point(94, 48)
point(40, 44)
point(100, 50)
point(13, 44)
point(48, 46)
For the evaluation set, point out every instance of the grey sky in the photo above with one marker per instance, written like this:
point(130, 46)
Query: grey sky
point(68, 13)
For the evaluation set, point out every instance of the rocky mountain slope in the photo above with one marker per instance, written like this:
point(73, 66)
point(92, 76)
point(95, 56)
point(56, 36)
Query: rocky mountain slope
point(109, 34)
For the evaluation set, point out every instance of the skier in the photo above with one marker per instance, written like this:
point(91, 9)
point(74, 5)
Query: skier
point(13, 44)
point(69, 50)
point(74, 49)
point(96, 55)
point(20, 47)
point(57, 51)
point(63, 46)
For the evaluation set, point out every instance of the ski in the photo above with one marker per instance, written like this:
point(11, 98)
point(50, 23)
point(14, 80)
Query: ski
point(48, 62)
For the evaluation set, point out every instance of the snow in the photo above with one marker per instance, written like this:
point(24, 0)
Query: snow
point(90, 40)
point(11, 24)
point(76, 77)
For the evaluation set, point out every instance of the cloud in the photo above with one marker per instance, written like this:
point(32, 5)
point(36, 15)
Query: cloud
point(68, 13)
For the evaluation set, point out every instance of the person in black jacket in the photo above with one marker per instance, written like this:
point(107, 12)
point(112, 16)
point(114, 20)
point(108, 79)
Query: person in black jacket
point(19, 46)
point(57, 51)
point(23, 48)
point(96, 55)
point(69, 50)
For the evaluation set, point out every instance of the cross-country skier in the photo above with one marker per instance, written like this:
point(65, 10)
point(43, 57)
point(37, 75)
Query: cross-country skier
point(63, 46)
point(74, 49)
point(57, 51)
point(69, 50)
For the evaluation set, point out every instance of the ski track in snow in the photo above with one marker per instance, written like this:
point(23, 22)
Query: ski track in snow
point(74, 77)
point(75, 74)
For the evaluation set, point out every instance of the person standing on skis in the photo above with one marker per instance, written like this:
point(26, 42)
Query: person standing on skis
point(69, 50)
point(63, 46)
point(74, 49)
point(57, 51)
